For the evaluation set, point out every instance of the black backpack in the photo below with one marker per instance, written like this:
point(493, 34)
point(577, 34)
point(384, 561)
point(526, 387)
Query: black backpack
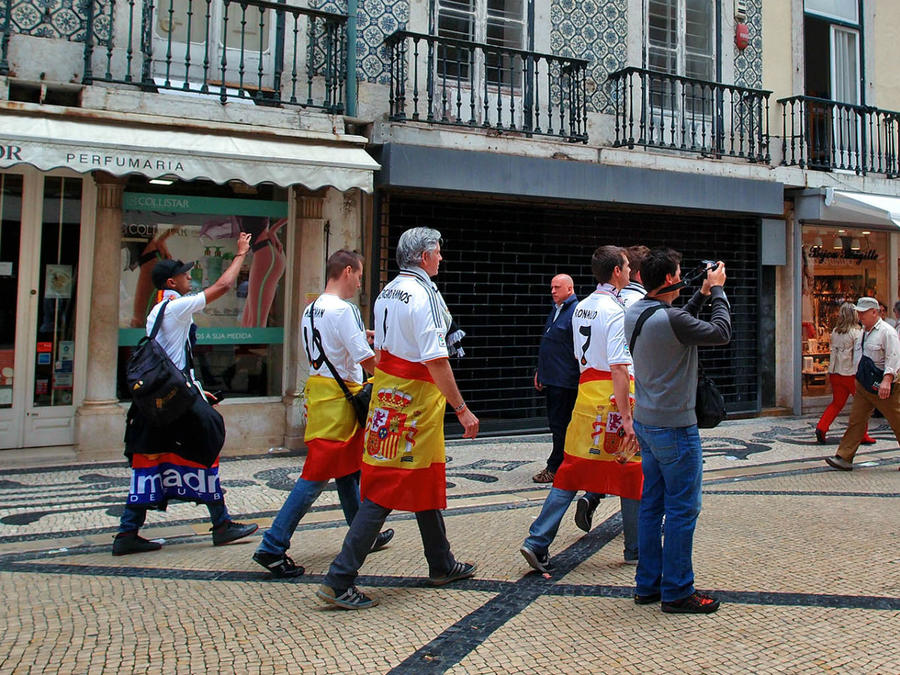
point(161, 391)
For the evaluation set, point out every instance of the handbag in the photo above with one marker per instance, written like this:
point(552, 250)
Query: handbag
point(359, 401)
point(710, 404)
point(161, 391)
point(867, 373)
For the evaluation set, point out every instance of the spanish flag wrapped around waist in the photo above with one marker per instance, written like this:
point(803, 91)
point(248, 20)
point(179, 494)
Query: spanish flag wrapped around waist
point(333, 437)
point(403, 462)
point(592, 439)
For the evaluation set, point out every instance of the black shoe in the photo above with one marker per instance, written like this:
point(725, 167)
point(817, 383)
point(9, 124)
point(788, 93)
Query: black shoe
point(382, 540)
point(352, 598)
point(459, 571)
point(584, 512)
point(646, 599)
point(230, 531)
point(820, 436)
point(131, 542)
point(279, 565)
point(541, 563)
point(695, 603)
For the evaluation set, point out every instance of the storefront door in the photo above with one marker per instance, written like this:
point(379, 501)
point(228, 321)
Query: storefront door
point(40, 240)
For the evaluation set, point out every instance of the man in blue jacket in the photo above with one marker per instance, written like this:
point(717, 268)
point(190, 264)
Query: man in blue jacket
point(557, 372)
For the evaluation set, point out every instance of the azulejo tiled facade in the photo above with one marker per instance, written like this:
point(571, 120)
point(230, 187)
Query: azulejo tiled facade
point(59, 19)
point(594, 30)
point(376, 19)
point(748, 63)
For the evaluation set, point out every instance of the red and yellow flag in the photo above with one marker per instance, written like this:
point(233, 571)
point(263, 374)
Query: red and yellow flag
point(333, 436)
point(404, 460)
point(592, 439)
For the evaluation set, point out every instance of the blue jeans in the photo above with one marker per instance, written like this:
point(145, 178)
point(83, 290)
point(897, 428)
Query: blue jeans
point(133, 517)
point(277, 538)
point(672, 463)
point(543, 530)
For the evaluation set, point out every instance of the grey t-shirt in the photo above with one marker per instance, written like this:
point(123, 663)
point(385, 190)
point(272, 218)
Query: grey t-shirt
point(665, 356)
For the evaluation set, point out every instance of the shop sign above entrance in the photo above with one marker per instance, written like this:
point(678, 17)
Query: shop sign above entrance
point(851, 257)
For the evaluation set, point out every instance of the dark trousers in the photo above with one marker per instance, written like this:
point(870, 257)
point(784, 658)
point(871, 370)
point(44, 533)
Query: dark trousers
point(560, 403)
point(361, 536)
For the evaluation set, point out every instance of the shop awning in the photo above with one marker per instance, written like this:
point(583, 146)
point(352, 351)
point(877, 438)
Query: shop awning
point(219, 155)
point(843, 207)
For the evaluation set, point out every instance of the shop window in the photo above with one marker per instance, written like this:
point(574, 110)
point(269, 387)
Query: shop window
point(839, 265)
point(241, 335)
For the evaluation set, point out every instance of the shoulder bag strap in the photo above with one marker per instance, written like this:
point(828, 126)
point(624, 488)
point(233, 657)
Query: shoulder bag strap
point(640, 324)
point(317, 341)
point(158, 322)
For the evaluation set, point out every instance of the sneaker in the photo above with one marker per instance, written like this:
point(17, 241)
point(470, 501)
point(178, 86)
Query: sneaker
point(868, 440)
point(839, 463)
point(541, 563)
point(352, 598)
point(543, 476)
point(131, 542)
point(460, 570)
point(646, 599)
point(695, 603)
point(820, 436)
point(279, 565)
point(584, 513)
point(630, 561)
point(230, 531)
point(382, 540)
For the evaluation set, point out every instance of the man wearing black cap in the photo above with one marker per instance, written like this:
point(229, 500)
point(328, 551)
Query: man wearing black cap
point(172, 278)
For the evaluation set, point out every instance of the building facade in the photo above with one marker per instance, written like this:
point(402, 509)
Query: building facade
point(528, 131)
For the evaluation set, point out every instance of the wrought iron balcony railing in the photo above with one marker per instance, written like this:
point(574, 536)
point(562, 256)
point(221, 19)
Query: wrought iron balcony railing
point(264, 52)
point(681, 113)
point(823, 134)
point(441, 80)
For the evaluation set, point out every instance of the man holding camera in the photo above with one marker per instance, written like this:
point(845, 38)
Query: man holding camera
point(881, 358)
point(334, 439)
point(665, 373)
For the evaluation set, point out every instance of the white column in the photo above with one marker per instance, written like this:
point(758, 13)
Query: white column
point(100, 421)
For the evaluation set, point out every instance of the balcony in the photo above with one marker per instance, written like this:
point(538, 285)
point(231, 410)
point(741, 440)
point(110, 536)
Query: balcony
point(440, 80)
point(828, 135)
point(252, 50)
point(657, 110)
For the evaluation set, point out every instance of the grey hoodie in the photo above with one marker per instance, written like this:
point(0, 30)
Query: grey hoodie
point(665, 356)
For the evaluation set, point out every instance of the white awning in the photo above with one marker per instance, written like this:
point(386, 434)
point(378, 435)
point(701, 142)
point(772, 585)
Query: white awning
point(212, 154)
point(862, 208)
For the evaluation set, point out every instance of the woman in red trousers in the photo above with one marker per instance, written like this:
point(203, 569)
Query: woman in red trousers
point(846, 349)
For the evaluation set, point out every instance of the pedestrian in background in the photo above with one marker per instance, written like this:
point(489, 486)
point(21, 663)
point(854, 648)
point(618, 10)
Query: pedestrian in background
point(557, 372)
point(881, 344)
point(846, 348)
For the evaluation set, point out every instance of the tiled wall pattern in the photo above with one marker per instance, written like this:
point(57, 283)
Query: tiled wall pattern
point(748, 64)
point(376, 20)
point(594, 30)
point(60, 19)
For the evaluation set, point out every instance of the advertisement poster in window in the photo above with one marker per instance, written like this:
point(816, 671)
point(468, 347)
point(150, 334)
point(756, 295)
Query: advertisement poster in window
point(240, 336)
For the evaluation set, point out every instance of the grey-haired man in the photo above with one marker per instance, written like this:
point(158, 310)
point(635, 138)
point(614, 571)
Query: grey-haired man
point(881, 344)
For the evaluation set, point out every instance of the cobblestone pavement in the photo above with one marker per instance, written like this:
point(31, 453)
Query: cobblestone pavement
point(805, 558)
